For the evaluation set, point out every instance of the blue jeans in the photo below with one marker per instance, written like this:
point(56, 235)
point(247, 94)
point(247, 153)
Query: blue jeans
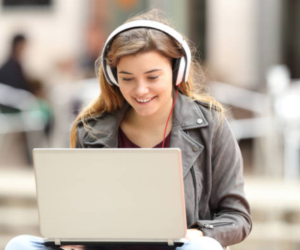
point(27, 242)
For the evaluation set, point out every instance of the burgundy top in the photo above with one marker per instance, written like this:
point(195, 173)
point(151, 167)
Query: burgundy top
point(124, 142)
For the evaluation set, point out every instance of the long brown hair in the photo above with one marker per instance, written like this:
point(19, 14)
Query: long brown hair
point(136, 41)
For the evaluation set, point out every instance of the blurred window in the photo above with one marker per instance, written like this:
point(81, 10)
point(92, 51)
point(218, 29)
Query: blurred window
point(26, 3)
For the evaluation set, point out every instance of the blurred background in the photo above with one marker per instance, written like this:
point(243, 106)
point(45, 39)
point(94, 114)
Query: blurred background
point(250, 53)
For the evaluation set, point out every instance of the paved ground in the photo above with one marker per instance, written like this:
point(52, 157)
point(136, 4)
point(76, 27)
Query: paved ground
point(275, 209)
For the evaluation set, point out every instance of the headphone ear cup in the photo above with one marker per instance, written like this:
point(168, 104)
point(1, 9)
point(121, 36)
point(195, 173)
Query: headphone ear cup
point(175, 67)
point(112, 73)
point(181, 71)
point(179, 66)
point(115, 74)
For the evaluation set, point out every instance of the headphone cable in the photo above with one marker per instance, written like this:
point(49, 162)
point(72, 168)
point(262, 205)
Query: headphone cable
point(163, 145)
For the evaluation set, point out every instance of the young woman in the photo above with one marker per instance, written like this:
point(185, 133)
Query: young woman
point(147, 76)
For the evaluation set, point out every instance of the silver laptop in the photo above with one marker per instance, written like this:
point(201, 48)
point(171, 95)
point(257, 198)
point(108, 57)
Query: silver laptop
point(110, 196)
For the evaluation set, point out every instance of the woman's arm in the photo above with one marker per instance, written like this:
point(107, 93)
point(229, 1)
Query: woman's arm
point(232, 222)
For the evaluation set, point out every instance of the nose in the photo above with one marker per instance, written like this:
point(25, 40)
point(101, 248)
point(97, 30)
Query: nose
point(141, 89)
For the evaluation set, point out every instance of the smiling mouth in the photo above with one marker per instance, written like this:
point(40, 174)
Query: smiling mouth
point(144, 100)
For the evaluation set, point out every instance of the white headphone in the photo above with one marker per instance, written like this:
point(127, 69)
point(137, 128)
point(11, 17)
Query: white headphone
point(181, 64)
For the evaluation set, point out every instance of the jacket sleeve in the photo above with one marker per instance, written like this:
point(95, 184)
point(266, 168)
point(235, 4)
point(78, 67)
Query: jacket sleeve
point(232, 222)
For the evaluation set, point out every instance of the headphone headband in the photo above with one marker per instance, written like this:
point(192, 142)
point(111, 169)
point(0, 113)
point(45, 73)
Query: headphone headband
point(184, 63)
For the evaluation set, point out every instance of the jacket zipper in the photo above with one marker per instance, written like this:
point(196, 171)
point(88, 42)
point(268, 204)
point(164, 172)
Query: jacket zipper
point(195, 188)
point(217, 224)
point(195, 192)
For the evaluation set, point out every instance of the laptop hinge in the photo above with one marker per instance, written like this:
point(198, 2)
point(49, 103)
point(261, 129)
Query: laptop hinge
point(170, 242)
point(57, 242)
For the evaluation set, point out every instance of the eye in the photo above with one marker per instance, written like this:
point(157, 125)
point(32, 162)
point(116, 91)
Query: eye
point(152, 77)
point(127, 79)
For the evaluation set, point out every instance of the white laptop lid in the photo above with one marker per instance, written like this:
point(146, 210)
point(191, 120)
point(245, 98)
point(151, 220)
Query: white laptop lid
point(110, 194)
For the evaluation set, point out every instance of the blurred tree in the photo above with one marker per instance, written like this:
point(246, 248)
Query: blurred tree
point(127, 4)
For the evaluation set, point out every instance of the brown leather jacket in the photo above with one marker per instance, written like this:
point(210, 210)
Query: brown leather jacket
point(212, 166)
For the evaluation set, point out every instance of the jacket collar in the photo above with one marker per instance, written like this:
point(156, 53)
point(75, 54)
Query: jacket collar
point(106, 129)
point(187, 115)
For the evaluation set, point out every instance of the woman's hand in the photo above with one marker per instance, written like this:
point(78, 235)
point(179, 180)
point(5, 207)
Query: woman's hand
point(75, 247)
point(193, 234)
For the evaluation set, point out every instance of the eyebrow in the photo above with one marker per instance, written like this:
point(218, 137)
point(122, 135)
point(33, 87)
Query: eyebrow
point(150, 71)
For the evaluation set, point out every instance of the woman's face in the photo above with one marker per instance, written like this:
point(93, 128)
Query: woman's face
point(145, 81)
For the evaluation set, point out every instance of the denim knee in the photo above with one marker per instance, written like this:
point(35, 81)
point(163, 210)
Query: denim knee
point(202, 243)
point(26, 242)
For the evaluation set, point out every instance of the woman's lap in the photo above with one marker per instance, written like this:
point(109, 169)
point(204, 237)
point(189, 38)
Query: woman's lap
point(202, 243)
point(27, 242)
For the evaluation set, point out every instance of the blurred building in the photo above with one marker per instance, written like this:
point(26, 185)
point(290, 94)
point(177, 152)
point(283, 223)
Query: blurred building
point(238, 40)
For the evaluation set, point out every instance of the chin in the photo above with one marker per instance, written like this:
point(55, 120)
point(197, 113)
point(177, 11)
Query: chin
point(148, 113)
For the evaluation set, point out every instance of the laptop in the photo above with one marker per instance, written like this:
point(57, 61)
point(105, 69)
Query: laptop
point(116, 197)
